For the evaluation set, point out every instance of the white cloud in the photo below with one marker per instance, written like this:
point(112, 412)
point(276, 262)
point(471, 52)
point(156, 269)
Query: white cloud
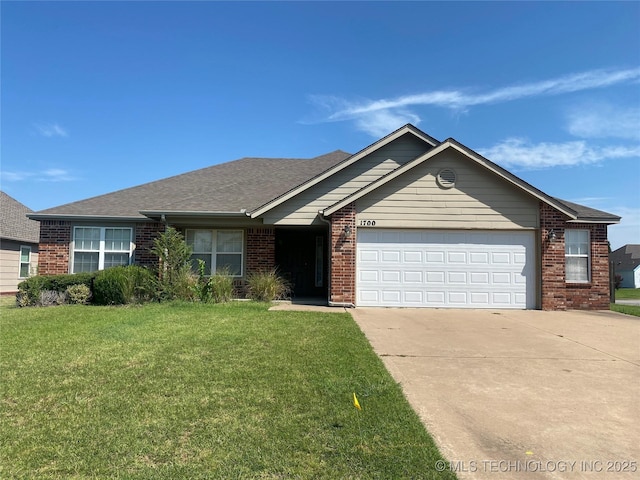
point(522, 153)
point(49, 175)
point(600, 121)
point(382, 122)
point(51, 130)
point(340, 109)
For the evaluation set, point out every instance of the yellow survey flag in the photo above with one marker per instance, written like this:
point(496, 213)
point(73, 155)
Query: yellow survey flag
point(355, 402)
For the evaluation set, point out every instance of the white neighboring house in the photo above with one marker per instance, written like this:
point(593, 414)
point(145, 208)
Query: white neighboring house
point(19, 238)
point(626, 261)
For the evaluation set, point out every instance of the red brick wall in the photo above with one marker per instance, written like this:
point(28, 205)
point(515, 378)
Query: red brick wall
point(55, 236)
point(556, 293)
point(145, 234)
point(594, 295)
point(343, 256)
point(261, 249)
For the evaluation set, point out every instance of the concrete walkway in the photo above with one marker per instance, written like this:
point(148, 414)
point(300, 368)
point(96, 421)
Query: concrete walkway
point(519, 394)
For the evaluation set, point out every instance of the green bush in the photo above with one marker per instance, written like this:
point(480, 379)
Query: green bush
point(267, 286)
point(30, 289)
point(78, 294)
point(109, 287)
point(121, 285)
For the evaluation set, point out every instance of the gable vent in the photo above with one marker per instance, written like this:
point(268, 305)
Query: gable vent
point(446, 178)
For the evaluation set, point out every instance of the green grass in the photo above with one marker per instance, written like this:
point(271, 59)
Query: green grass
point(626, 309)
point(628, 294)
point(200, 391)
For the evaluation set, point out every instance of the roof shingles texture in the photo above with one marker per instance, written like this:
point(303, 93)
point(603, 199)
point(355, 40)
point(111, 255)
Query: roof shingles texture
point(14, 224)
point(228, 187)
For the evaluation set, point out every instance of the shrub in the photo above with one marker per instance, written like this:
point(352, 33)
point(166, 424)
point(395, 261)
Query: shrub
point(49, 298)
point(109, 287)
point(78, 294)
point(176, 281)
point(267, 286)
point(122, 285)
point(221, 287)
point(29, 290)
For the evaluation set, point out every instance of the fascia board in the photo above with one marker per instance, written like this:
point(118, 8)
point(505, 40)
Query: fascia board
point(342, 165)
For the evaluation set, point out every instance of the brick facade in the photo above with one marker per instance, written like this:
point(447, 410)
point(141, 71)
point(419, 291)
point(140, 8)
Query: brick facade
point(261, 249)
point(343, 255)
point(55, 236)
point(557, 294)
point(145, 234)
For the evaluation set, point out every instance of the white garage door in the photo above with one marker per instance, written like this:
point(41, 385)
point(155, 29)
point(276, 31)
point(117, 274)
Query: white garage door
point(455, 269)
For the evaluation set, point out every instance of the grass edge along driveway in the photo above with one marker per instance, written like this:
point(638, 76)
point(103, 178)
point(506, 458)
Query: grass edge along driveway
point(200, 391)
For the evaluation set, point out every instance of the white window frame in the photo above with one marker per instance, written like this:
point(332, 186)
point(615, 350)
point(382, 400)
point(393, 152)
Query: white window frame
point(21, 263)
point(214, 250)
point(101, 251)
point(587, 255)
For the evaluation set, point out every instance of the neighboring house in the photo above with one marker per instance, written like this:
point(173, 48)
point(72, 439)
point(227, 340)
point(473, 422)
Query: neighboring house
point(407, 221)
point(19, 237)
point(626, 263)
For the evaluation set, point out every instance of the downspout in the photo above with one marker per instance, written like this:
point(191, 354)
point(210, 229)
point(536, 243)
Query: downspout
point(329, 302)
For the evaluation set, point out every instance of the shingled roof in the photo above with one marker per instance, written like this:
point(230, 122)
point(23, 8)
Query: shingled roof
point(231, 187)
point(588, 214)
point(627, 257)
point(14, 224)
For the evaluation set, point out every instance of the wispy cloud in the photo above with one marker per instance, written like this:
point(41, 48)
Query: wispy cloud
point(397, 109)
point(49, 175)
point(519, 152)
point(603, 120)
point(51, 130)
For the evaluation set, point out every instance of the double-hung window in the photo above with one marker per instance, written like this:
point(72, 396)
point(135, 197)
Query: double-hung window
point(97, 248)
point(577, 253)
point(25, 261)
point(220, 250)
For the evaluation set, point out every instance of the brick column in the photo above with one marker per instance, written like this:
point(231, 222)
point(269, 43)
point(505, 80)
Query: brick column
point(55, 239)
point(553, 263)
point(145, 234)
point(343, 255)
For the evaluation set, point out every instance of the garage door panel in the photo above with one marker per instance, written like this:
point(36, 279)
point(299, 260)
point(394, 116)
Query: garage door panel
point(472, 269)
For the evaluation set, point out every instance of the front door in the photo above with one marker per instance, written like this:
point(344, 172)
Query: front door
point(301, 256)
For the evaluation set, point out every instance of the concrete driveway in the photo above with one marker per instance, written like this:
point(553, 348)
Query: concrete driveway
point(519, 394)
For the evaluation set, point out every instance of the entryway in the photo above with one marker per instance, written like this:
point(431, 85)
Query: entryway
point(302, 259)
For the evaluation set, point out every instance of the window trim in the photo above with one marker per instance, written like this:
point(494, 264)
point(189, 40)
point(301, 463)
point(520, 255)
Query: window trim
point(101, 245)
point(214, 245)
point(21, 263)
point(578, 255)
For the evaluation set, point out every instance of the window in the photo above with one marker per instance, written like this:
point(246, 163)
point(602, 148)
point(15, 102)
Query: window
point(25, 261)
point(97, 248)
point(221, 250)
point(576, 252)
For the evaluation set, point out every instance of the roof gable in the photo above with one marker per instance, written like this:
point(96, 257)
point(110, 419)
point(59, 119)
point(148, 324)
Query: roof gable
point(627, 257)
point(573, 211)
point(407, 129)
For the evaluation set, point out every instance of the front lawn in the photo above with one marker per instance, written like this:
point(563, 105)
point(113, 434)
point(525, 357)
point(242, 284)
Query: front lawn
point(626, 309)
point(200, 391)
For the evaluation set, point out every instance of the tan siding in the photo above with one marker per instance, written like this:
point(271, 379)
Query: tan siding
point(479, 199)
point(303, 208)
point(10, 265)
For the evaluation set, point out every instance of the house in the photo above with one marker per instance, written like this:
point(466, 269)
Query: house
point(407, 221)
point(19, 238)
point(626, 263)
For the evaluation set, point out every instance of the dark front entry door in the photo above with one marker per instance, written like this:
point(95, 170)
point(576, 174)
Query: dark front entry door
point(301, 256)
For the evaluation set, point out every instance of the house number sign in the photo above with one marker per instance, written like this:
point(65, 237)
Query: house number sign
point(367, 223)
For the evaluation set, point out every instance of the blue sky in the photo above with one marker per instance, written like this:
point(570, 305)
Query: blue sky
point(100, 96)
